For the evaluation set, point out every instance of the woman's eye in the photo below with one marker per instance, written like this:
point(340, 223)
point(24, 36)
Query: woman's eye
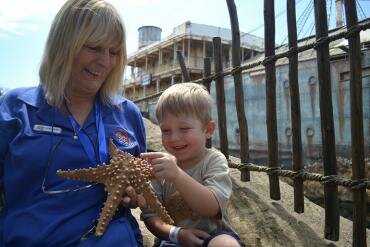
point(92, 48)
point(113, 52)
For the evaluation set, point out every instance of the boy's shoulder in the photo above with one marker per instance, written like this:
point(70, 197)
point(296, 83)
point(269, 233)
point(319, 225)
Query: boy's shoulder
point(213, 153)
point(214, 157)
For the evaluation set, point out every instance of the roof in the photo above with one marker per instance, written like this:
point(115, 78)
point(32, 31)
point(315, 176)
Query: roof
point(196, 31)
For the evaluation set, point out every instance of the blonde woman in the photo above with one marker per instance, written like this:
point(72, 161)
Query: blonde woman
point(65, 123)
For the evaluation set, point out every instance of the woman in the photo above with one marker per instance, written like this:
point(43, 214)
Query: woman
point(65, 123)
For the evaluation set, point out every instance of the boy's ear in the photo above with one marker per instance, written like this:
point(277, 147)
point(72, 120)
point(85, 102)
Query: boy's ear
point(210, 128)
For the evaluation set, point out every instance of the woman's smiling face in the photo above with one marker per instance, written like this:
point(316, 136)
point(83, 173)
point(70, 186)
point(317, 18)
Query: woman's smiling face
point(91, 67)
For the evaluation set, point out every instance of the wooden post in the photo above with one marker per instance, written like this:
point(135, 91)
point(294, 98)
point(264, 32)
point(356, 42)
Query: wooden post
point(238, 86)
point(207, 84)
point(272, 139)
point(357, 134)
point(220, 96)
point(327, 124)
point(295, 107)
point(184, 71)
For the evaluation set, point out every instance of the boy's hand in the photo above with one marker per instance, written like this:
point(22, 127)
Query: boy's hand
point(192, 237)
point(164, 165)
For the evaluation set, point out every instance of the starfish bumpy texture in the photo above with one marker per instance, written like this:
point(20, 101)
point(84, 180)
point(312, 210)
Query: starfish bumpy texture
point(124, 170)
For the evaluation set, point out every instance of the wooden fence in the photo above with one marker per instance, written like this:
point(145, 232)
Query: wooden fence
point(330, 180)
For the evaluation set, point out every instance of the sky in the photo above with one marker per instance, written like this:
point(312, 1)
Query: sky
point(24, 26)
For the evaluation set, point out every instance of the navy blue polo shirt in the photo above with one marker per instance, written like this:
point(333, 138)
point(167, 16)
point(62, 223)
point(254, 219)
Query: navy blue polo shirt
point(37, 140)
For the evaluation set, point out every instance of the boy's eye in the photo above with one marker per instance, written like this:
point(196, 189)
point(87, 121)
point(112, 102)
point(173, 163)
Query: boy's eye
point(165, 131)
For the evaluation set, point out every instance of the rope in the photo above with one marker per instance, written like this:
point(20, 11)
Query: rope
point(301, 174)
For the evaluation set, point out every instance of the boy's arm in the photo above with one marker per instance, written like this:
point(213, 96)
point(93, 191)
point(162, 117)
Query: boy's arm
point(198, 197)
point(214, 190)
point(156, 226)
point(186, 236)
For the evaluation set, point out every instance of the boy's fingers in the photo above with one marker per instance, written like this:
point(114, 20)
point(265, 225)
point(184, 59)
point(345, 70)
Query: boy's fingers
point(151, 155)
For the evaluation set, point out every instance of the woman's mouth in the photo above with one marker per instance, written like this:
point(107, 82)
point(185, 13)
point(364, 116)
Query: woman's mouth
point(94, 73)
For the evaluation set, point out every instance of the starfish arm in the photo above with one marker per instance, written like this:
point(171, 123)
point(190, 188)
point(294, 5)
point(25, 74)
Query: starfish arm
point(153, 202)
point(110, 207)
point(93, 175)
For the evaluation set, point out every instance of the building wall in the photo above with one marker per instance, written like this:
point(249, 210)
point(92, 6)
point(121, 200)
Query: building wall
point(255, 110)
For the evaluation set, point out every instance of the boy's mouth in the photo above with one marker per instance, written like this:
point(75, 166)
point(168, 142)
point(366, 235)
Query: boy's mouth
point(180, 147)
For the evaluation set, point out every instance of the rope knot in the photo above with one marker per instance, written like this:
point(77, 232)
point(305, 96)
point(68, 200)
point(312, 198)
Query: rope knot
point(236, 69)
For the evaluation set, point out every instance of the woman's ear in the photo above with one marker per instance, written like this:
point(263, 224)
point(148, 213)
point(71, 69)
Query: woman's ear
point(210, 128)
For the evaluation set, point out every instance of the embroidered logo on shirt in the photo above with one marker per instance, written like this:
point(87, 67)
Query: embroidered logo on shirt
point(122, 137)
point(46, 128)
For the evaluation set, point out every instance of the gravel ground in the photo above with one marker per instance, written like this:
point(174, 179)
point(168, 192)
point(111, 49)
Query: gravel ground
point(261, 221)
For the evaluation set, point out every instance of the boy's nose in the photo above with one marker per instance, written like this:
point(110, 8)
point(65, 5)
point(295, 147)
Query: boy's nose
point(174, 136)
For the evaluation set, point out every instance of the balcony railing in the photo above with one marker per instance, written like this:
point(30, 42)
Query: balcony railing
point(169, 66)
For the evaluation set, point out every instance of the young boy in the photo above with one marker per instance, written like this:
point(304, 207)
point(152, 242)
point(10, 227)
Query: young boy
point(192, 181)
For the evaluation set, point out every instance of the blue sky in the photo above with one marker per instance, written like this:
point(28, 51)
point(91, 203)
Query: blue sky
point(24, 26)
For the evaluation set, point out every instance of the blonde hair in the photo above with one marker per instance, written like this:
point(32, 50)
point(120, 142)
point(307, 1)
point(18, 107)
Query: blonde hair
point(185, 98)
point(78, 22)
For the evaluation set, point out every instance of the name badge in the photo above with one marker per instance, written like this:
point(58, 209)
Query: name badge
point(46, 128)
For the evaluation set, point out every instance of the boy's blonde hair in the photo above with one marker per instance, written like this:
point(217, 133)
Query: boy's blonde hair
point(185, 98)
point(81, 22)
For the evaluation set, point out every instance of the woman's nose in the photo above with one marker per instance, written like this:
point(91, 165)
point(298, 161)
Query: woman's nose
point(104, 57)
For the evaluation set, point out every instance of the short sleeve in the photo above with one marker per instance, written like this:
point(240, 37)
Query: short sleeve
point(216, 178)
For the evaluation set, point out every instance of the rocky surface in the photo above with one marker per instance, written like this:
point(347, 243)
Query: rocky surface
point(261, 221)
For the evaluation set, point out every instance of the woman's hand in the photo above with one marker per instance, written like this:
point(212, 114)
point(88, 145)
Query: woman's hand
point(164, 165)
point(192, 237)
point(132, 199)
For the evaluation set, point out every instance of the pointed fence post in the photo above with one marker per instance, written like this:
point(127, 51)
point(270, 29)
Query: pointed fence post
point(220, 96)
point(184, 71)
point(295, 109)
point(238, 86)
point(327, 122)
point(357, 134)
point(207, 84)
point(272, 137)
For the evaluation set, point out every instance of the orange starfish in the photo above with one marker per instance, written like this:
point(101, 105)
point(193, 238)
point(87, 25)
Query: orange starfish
point(124, 170)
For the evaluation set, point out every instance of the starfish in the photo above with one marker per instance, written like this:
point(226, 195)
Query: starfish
point(124, 170)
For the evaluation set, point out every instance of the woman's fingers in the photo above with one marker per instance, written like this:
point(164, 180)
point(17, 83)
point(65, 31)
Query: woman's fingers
point(130, 199)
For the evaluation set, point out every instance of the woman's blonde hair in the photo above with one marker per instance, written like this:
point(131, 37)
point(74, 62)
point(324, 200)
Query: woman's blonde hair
point(78, 22)
point(185, 98)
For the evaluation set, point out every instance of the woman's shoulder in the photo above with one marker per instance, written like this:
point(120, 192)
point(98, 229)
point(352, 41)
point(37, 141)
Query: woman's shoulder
point(121, 101)
point(25, 94)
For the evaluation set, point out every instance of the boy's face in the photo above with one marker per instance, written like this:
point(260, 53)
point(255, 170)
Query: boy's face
point(184, 136)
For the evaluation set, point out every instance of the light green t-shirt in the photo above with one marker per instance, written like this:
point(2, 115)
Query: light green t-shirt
point(213, 172)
